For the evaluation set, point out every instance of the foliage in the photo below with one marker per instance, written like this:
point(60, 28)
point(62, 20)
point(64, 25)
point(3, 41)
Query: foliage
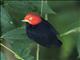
point(64, 16)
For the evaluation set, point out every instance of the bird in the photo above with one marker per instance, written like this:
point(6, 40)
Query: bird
point(41, 31)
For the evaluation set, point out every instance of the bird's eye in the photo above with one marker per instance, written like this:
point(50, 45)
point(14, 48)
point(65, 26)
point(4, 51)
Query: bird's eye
point(30, 18)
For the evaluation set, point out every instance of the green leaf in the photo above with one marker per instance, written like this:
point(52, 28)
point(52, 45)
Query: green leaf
point(2, 57)
point(18, 9)
point(20, 43)
point(45, 8)
point(18, 33)
point(6, 21)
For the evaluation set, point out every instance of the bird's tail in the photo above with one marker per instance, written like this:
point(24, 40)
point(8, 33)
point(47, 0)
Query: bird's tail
point(57, 43)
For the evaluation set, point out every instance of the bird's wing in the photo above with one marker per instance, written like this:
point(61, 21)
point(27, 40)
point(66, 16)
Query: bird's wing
point(40, 36)
point(50, 27)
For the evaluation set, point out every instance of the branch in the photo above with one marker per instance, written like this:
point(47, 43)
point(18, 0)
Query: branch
point(71, 31)
point(15, 54)
point(37, 52)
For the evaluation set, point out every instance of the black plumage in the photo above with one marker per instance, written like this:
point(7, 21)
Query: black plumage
point(43, 33)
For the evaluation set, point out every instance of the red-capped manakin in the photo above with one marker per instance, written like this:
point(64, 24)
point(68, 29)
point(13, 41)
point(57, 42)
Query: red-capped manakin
point(41, 31)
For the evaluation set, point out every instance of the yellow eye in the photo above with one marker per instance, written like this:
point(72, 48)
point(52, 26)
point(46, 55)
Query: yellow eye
point(30, 18)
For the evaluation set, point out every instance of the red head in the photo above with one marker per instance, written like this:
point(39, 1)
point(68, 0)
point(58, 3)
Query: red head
point(32, 18)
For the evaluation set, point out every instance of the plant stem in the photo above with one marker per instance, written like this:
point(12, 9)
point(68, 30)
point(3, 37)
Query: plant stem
point(70, 31)
point(15, 54)
point(41, 7)
point(46, 18)
point(37, 53)
point(38, 49)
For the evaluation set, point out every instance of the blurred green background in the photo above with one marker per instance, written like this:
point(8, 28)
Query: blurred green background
point(63, 15)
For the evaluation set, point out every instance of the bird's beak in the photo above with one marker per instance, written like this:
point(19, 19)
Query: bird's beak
point(24, 20)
